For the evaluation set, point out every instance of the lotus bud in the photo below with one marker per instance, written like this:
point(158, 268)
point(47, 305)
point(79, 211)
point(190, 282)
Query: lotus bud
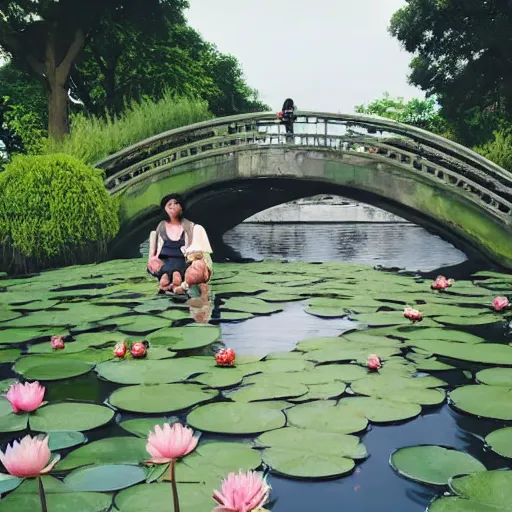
point(120, 350)
point(138, 350)
point(57, 342)
point(225, 357)
point(500, 303)
point(373, 363)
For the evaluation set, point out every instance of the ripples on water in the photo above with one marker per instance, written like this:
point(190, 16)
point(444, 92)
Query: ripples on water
point(390, 245)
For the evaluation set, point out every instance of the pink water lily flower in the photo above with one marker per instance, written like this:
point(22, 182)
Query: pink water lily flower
point(242, 492)
point(412, 314)
point(57, 342)
point(500, 303)
point(25, 397)
point(170, 442)
point(441, 283)
point(29, 458)
point(373, 362)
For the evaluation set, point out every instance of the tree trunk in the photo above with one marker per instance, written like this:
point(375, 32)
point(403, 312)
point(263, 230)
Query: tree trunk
point(58, 118)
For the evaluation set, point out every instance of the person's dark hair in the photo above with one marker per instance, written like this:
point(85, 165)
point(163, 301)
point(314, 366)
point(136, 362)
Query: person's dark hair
point(288, 104)
point(178, 198)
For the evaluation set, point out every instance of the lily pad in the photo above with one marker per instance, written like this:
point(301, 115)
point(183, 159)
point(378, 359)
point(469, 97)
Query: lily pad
point(112, 450)
point(158, 498)
point(221, 377)
point(153, 372)
point(9, 483)
point(500, 442)
point(305, 453)
point(474, 320)
point(185, 338)
point(70, 416)
point(234, 316)
point(50, 368)
point(108, 477)
point(380, 410)
point(143, 323)
point(143, 426)
point(321, 392)
point(60, 502)
point(268, 390)
point(20, 335)
point(160, 398)
point(250, 305)
point(495, 377)
point(485, 401)
point(327, 417)
point(433, 465)
point(9, 355)
point(236, 418)
point(63, 440)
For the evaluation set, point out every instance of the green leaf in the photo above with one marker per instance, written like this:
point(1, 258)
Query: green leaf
point(495, 377)
point(62, 502)
point(160, 398)
point(304, 453)
point(143, 426)
point(108, 477)
point(250, 305)
point(379, 410)
point(433, 464)
point(70, 416)
point(185, 338)
point(9, 483)
point(267, 390)
point(485, 401)
point(327, 417)
point(236, 418)
point(62, 440)
point(153, 372)
point(500, 441)
point(20, 335)
point(50, 367)
point(112, 450)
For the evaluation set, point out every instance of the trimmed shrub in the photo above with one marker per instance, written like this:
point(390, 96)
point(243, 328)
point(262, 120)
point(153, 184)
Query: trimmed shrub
point(54, 211)
point(94, 138)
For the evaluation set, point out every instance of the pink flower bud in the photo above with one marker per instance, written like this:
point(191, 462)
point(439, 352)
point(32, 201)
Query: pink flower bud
point(138, 350)
point(57, 342)
point(225, 357)
point(500, 303)
point(120, 350)
point(441, 283)
point(412, 314)
point(373, 362)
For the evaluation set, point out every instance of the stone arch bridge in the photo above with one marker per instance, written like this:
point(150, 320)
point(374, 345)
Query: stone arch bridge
point(231, 168)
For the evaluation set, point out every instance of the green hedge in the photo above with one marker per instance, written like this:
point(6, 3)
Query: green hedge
point(54, 211)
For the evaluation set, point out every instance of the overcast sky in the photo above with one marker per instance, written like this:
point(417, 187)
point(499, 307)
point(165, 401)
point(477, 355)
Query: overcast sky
point(328, 55)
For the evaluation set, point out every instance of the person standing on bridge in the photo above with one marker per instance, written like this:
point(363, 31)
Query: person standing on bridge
point(179, 250)
point(287, 116)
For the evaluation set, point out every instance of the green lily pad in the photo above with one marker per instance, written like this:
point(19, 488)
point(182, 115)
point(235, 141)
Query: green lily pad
point(500, 441)
point(236, 418)
point(399, 389)
point(153, 372)
point(234, 316)
point(473, 320)
point(486, 353)
point(433, 465)
point(139, 324)
point(380, 410)
point(321, 392)
point(143, 426)
point(160, 398)
point(485, 401)
point(185, 338)
point(70, 416)
point(250, 305)
point(327, 417)
point(108, 477)
point(6, 384)
point(487, 488)
point(9, 483)
point(428, 364)
point(154, 306)
point(8, 336)
point(326, 312)
point(62, 440)
point(60, 502)
point(9, 355)
point(6, 314)
point(495, 377)
point(268, 390)
point(213, 460)
point(455, 504)
point(175, 314)
point(158, 498)
point(221, 377)
point(305, 453)
point(37, 305)
point(382, 318)
point(350, 352)
point(112, 450)
point(50, 368)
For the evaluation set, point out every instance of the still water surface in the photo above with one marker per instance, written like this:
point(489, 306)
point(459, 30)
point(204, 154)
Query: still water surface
point(373, 486)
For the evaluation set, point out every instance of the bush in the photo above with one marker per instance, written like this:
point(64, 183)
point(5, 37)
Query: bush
point(498, 150)
point(93, 138)
point(54, 211)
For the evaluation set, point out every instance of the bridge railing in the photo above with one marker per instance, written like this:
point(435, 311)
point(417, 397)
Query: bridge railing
point(381, 139)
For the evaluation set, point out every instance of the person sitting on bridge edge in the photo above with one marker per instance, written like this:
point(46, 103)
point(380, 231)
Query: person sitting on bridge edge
point(179, 250)
point(287, 115)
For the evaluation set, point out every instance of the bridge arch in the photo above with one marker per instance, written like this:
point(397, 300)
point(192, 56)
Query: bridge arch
point(218, 165)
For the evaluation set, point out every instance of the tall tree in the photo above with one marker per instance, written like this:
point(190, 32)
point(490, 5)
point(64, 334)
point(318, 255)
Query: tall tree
point(463, 54)
point(45, 37)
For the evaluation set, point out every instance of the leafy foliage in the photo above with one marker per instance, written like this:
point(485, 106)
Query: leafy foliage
point(498, 150)
point(94, 138)
point(417, 112)
point(462, 55)
point(54, 210)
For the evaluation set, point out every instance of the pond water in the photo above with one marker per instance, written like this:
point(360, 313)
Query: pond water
point(262, 310)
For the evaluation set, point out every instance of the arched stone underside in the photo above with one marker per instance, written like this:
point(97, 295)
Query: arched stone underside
point(231, 168)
